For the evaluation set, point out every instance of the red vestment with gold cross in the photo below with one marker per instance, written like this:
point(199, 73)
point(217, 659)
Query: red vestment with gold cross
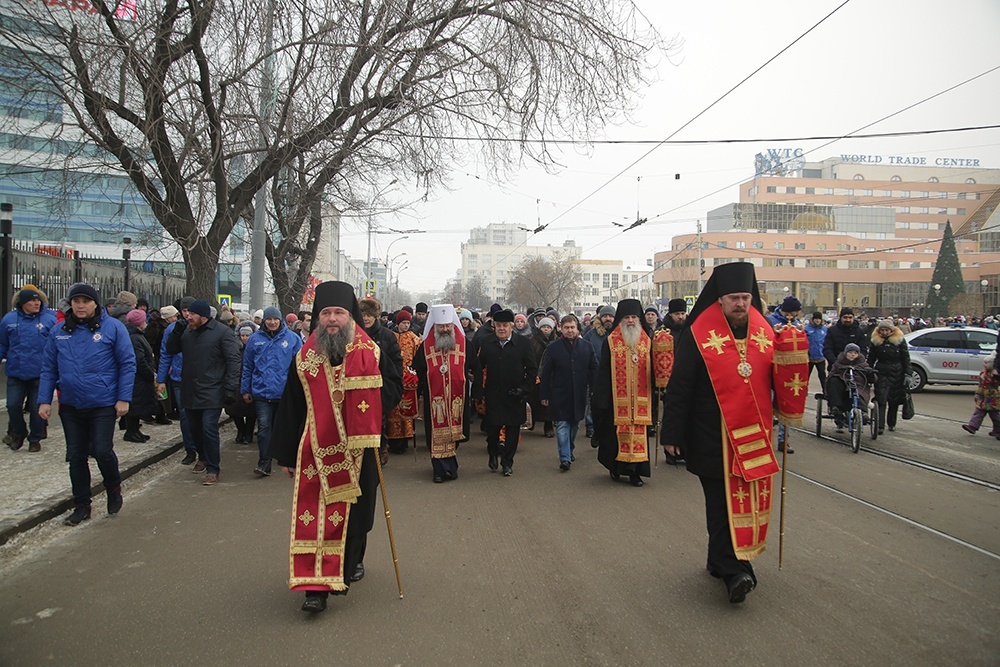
point(631, 395)
point(742, 379)
point(446, 395)
point(399, 423)
point(344, 416)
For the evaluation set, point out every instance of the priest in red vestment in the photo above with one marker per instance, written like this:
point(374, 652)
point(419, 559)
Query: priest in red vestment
point(327, 432)
point(442, 366)
point(719, 409)
point(622, 401)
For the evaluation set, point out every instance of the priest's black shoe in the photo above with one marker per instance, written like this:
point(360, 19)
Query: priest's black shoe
point(359, 573)
point(315, 602)
point(438, 479)
point(739, 585)
point(635, 480)
point(163, 419)
point(507, 472)
point(493, 463)
point(132, 437)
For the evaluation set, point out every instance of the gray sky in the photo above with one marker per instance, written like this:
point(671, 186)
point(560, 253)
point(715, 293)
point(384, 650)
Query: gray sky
point(871, 59)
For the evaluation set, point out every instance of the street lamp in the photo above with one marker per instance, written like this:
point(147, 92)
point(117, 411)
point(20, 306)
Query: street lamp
point(371, 228)
point(937, 289)
point(127, 259)
point(388, 277)
point(984, 283)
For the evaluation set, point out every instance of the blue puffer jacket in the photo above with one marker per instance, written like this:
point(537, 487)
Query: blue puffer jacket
point(22, 341)
point(92, 363)
point(816, 336)
point(265, 362)
point(170, 364)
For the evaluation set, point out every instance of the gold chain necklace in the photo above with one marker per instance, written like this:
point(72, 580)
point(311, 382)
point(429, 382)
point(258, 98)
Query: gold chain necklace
point(743, 368)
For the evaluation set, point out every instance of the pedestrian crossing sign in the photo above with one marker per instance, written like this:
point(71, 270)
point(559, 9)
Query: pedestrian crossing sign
point(370, 286)
point(226, 300)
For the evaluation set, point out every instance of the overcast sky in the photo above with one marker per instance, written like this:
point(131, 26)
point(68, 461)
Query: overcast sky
point(871, 59)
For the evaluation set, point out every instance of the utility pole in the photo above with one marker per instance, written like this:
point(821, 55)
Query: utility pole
point(701, 269)
point(257, 263)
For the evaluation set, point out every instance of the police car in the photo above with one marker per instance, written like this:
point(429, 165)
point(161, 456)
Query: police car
point(948, 355)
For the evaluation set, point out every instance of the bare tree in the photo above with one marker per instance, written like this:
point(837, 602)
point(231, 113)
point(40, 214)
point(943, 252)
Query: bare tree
point(357, 91)
point(477, 293)
point(538, 281)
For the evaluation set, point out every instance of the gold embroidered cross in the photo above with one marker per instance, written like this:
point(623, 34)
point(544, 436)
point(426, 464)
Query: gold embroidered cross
point(761, 339)
point(363, 406)
point(310, 472)
point(336, 519)
point(312, 362)
point(741, 495)
point(797, 384)
point(715, 342)
point(765, 492)
point(307, 517)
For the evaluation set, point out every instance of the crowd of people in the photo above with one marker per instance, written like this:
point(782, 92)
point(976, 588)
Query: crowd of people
point(329, 394)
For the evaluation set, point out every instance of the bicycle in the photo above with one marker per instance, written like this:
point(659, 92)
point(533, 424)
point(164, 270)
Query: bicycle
point(857, 415)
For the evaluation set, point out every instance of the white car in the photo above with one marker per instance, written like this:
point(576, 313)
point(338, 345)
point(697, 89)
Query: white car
point(948, 355)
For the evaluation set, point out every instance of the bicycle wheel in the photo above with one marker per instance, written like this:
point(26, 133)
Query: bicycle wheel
point(873, 422)
point(819, 417)
point(857, 425)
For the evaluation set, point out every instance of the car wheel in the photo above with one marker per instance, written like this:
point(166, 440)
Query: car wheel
point(916, 380)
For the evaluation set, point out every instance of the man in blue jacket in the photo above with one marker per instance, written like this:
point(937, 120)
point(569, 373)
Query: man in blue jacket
point(266, 359)
point(566, 377)
point(23, 334)
point(170, 367)
point(816, 333)
point(90, 359)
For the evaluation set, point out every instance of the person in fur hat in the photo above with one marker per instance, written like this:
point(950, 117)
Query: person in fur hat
point(890, 357)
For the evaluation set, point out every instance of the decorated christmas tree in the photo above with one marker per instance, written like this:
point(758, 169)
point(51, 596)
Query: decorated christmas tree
point(947, 274)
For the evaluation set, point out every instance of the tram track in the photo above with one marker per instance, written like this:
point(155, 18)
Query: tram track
point(908, 461)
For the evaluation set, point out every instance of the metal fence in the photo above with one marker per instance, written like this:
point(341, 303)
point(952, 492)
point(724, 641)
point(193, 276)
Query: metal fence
point(53, 271)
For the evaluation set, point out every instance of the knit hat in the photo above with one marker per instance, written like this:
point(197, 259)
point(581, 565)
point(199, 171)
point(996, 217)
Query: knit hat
point(245, 329)
point(494, 308)
point(791, 305)
point(547, 320)
point(606, 310)
point(519, 318)
point(200, 307)
point(816, 315)
point(852, 347)
point(260, 313)
point(270, 312)
point(27, 294)
point(886, 324)
point(464, 314)
point(126, 299)
point(168, 311)
point(226, 316)
point(846, 311)
point(85, 290)
point(652, 309)
point(291, 318)
point(135, 318)
point(186, 302)
point(403, 316)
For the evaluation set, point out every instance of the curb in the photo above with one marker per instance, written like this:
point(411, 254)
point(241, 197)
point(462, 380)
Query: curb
point(60, 503)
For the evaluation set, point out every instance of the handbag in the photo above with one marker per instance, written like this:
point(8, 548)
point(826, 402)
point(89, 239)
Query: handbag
point(908, 406)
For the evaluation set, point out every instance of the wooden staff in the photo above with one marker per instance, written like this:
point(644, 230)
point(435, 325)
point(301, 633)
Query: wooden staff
point(781, 525)
point(388, 521)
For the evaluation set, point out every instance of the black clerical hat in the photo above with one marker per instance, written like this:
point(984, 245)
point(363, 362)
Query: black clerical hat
point(732, 278)
point(335, 293)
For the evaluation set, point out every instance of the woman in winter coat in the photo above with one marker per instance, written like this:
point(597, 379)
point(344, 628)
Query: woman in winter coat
point(541, 338)
point(890, 357)
point(143, 402)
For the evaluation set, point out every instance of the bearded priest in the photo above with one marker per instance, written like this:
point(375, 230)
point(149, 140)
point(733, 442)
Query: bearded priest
point(327, 431)
point(622, 402)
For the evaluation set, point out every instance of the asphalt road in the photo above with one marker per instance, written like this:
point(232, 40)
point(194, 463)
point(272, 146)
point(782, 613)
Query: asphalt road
point(542, 568)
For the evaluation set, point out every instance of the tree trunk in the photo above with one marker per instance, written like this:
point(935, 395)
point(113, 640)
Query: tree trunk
point(202, 266)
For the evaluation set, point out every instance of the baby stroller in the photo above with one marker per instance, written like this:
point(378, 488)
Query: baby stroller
point(858, 413)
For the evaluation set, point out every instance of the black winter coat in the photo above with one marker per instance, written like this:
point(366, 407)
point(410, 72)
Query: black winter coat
point(839, 336)
point(392, 372)
point(507, 369)
point(691, 416)
point(144, 391)
point(539, 343)
point(212, 361)
point(890, 357)
point(566, 378)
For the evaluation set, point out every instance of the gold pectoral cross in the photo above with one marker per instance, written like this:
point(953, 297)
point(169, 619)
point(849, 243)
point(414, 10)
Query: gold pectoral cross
point(312, 362)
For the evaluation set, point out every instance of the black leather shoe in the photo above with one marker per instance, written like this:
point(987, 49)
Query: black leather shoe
point(438, 479)
point(590, 433)
point(635, 481)
point(564, 465)
point(359, 573)
point(79, 515)
point(494, 463)
point(507, 472)
point(315, 602)
point(114, 501)
point(189, 458)
point(161, 419)
point(615, 475)
point(739, 586)
point(132, 437)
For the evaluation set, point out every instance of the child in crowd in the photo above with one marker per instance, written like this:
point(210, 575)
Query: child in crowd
point(987, 399)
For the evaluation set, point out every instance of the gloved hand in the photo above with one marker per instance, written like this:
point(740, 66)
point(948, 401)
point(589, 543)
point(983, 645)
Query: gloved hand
point(517, 393)
point(231, 398)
